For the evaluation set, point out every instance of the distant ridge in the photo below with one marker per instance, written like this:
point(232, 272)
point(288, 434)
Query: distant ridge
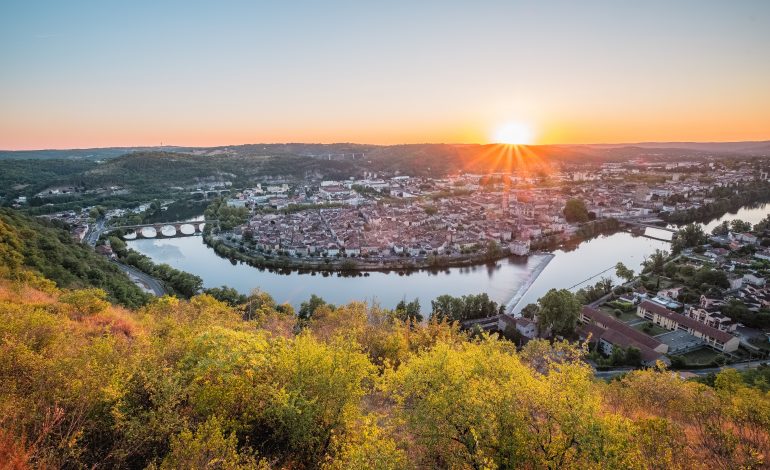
point(318, 150)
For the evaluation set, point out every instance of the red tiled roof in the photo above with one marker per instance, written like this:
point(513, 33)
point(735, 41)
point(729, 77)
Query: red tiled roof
point(719, 335)
point(617, 338)
point(610, 323)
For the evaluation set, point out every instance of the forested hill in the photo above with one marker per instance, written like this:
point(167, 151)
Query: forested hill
point(142, 175)
point(48, 249)
point(199, 384)
point(182, 169)
point(139, 177)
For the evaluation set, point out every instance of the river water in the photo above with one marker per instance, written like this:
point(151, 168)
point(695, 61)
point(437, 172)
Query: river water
point(571, 267)
point(746, 214)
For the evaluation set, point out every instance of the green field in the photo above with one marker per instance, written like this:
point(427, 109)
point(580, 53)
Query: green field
point(654, 331)
point(702, 356)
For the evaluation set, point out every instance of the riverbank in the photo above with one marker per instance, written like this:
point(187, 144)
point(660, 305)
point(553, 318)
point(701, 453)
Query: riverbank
point(511, 305)
point(727, 200)
point(352, 265)
point(349, 265)
point(500, 280)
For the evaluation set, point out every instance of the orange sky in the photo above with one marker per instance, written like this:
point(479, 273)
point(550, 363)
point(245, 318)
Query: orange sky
point(599, 71)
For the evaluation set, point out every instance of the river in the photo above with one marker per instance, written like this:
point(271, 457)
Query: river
point(568, 268)
point(747, 214)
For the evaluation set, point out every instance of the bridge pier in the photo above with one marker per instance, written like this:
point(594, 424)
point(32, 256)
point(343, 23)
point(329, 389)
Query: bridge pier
point(197, 228)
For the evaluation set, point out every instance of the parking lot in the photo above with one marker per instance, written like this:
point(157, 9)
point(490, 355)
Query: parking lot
point(679, 341)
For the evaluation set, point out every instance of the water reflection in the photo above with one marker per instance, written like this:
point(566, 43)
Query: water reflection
point(747, 214)
point(500, 280)
point(570, 265)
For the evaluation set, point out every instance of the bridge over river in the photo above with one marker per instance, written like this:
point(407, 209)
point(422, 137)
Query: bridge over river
point(640, 226)
point(647, 223)
point(162, 229)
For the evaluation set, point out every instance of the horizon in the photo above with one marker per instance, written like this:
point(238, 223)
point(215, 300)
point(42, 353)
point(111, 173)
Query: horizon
point(172, 146)
point(557, 73)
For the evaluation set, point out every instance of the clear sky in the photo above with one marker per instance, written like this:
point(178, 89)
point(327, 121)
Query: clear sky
point(123, 73)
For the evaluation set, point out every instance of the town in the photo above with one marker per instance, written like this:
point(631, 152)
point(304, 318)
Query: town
point(705, 304)
point(411, 222)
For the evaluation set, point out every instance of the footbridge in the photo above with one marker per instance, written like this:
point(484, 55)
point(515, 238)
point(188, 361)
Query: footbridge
point(162, 229)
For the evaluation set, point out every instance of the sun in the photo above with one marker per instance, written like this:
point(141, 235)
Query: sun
point(513, 133)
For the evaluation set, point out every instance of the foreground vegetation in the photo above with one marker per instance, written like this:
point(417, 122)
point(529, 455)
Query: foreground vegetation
point(193, 384)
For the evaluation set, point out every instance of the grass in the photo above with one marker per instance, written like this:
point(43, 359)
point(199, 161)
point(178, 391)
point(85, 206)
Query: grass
point(654, 329)
point(700, 357)
point(761, 343)
point(624, 317)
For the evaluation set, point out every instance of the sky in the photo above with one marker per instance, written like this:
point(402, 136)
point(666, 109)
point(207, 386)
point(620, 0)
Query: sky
point(80, 74)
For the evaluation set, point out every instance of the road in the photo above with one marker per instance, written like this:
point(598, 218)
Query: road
point(606, 374)
point(148, 281)
point(96, 231)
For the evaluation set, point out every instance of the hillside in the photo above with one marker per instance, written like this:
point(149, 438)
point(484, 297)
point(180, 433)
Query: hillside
point(44, 248)
point(743, 148)
point(199, 384)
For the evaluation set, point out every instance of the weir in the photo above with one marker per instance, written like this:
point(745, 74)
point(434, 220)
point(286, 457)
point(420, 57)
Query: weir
point(522, 290)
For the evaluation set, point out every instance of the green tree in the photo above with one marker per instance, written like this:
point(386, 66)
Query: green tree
point(559, 312)
point(530, 311)
point(623, 272)
point(656, 262)
point(739, 226)
point(575, 211)
point(721, 229)
point(227, 295)
point(307, 308)
point(467, 307)
point(493, 249)
point(691, 235)
point(408, 311)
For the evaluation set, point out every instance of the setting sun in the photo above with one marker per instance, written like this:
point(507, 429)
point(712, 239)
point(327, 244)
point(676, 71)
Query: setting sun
point(513, 133)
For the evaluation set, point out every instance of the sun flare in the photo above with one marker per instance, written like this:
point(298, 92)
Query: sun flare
point(513, 133)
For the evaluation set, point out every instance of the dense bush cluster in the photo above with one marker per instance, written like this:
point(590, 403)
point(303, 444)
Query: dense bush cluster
point(193, 384)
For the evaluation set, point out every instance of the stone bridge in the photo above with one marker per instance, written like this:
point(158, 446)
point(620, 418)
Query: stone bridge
point(162, 229)
point(207, 193)
point(646, 223)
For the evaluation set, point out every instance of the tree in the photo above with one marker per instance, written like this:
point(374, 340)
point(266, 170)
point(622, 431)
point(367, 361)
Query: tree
point(307, 308)
point(739, 226)
point(655, 263)
point(530, 311)
point(227, 295)
point(118, 246)
point(711, 277)
point(633, 357)
point(623, 272)
point(575, 211)
point(96, 212)
point(467, 307)
point(408, 311)
point(493, 249)
point(721, 229)
point(559, 311)
point(691, 235)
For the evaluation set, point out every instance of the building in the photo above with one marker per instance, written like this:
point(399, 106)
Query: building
point(659, 315)
point(526, 327)
point(712, 317)
point(609, 333)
